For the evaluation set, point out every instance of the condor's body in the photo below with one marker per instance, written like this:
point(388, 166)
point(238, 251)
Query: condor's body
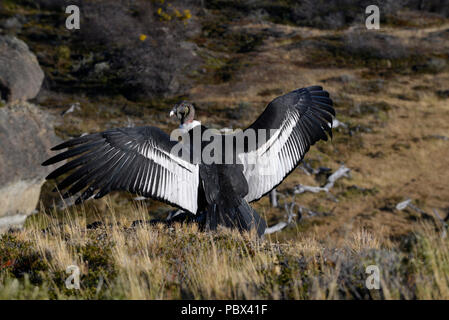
point(218, 177)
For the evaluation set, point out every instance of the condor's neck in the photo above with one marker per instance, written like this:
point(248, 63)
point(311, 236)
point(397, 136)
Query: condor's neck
point(190, 125)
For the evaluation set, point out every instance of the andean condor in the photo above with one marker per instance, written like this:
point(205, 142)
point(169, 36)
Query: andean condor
point(142, 160)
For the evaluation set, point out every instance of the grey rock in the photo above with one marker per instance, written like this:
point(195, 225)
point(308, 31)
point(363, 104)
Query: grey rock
point(11, 23)
point(20, 74)
point(26, 136)
point(101, 67)
point(162, 65)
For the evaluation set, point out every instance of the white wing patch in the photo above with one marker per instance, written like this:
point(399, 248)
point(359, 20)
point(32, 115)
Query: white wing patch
point(177, 179)
point(268, 165)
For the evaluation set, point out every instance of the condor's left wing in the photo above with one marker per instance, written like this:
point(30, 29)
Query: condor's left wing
point(292, 122)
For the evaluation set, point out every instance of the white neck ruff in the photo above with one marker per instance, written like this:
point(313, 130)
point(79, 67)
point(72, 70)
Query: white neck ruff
point(190, 125)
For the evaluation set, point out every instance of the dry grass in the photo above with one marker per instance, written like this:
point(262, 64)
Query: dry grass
point(118, 261)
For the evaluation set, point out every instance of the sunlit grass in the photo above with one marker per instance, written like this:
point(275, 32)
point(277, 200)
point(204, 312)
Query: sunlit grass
point(118, 261)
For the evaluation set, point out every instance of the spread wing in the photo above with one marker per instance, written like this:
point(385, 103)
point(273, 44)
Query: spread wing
point(292, 122)
point(138, 160)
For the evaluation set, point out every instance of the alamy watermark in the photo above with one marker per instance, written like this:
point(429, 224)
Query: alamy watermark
point(73, 280)
point(73, 20)
point(373, 20)
point(373, 280)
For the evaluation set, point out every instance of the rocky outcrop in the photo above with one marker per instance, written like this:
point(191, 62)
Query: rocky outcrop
point(26, 134)
point(20, 74)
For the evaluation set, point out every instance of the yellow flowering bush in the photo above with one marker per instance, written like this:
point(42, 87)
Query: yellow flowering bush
point(169, 12)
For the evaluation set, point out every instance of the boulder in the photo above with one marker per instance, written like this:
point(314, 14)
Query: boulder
point(26, 135)
point(20, 74)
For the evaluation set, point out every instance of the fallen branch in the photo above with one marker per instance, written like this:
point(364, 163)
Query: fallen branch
point(408, 204)
point(277, 227)
point(290, 215)
point(341, 172)
point(301, 189)
point(307, 168)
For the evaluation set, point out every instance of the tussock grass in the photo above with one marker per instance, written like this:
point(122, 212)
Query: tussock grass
point(121, 261)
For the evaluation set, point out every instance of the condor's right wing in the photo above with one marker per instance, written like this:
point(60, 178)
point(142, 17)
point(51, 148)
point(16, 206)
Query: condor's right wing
point(138, 160)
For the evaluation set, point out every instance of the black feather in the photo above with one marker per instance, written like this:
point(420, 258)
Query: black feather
point(73, 152)
point(319, 94)
point(324, 106)
point(86, 169)
point(77, 141)
point(325, 116)
point(324, 100)
point(77, 162)
point(314, 88)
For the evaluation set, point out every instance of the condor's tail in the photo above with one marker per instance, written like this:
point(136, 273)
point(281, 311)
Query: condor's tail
point(242, 217)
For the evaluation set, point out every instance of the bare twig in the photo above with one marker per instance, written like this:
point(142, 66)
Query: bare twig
point(336, 123)
point(290, 215)
point(312, 213)
point(440, 137)
point(301, 189)
point(73, 107)
point(443, 222)
point(273, 198)
point(173, 214)
point(420, 211)
point(303, 168)
point(404, 204)
point(307, 168)
point(130, 123)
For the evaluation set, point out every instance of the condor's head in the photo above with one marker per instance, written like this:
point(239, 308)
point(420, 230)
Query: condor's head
point(184, 111)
